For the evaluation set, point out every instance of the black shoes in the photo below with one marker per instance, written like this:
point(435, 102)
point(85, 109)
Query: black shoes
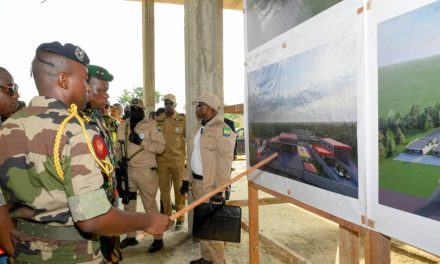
point(128, 242)
point(179, 226)
point(156, 246)
point(200, 261)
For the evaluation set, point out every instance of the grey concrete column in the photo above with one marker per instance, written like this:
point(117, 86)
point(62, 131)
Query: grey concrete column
point(203, 58)
point(203, 52)
point(148, 53)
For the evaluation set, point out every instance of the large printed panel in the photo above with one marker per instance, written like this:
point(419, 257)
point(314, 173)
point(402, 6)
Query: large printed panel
point(304, 96)
point(409, 111)
point(304, 108)
point(270, 18)
point(403, 190)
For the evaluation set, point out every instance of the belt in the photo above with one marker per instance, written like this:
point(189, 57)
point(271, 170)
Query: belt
point(196, 176)
point(51, 232)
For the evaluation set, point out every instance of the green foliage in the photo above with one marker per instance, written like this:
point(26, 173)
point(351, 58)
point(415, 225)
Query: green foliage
point(237, 118)
point(400, 137)
point(137, 92)
point(382, 151)
point(390, 143)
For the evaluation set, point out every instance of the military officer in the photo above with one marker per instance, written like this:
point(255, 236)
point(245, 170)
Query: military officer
point(8, 94)
point(98, 80)
point(111, 125)
point(116, 111)
point(51, 162)
point(171, 163)
point(8, 105)
point(143, 141)
point(210, 155)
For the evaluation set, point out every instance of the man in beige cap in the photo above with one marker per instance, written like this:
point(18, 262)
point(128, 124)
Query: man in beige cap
point(142, 141)
point(210, 155)
point(116, 111)
point(171, 163)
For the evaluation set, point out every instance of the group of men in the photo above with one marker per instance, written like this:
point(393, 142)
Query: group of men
point(61, 157)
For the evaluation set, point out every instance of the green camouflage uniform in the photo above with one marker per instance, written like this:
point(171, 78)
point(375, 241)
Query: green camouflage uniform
point(110, 246)
point(111, 125)
point(29, 179)
point(2, 198)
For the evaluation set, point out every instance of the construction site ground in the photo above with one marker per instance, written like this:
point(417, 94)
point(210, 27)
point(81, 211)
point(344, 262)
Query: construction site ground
point(311, 237)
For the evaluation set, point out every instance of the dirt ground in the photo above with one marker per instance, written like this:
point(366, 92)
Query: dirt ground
point(310, 236)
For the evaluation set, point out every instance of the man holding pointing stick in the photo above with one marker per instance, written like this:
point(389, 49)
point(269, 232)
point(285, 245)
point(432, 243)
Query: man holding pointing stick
point(210, 156)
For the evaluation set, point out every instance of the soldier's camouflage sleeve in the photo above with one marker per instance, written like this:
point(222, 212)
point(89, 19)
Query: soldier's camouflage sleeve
point(2, 198)
point(87, 199)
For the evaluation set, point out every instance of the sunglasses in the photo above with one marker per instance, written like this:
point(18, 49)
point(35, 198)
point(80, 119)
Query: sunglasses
point(169, 103)
point(10, 90)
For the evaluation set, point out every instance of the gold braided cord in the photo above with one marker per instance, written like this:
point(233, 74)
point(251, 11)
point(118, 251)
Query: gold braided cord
point(105, 165)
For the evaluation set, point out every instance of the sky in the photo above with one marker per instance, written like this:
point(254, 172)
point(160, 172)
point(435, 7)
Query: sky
point(306, 88)
point(110, 32)
point(409, 36)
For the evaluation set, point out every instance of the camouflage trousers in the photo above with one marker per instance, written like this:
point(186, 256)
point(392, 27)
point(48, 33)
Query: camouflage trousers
point(32, 249)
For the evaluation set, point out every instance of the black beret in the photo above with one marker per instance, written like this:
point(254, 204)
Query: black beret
point(67, 50)
point(100, 73)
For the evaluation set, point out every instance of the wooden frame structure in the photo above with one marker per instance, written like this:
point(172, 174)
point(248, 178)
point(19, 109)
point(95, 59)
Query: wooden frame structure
point(377, 246)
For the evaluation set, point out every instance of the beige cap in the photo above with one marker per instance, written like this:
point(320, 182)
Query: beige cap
point(137, 102)
point(170, 97)
point(210, 99)
point(117, 106)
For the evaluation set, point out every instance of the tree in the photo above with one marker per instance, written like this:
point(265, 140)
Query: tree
point(382, 151)
point(137, 92)
point(390, 143)
point(414, 116)
point(400, 137)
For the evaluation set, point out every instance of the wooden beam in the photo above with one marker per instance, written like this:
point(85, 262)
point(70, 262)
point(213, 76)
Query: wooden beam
point(254, 249)
point(311, 209)
point(348, 246)
point(262, 201)
point(234, 109)
point(377, 248)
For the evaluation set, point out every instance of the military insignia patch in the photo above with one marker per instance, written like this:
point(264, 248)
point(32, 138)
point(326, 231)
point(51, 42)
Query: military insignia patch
point(79, 53)
point(226, 131)
point(99, 147)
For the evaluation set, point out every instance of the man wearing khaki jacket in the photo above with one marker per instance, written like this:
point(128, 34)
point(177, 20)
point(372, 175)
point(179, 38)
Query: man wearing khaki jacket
point(143, 141)
point(210, 155)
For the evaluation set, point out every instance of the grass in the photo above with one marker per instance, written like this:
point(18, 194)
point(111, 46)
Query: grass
point(418, 180)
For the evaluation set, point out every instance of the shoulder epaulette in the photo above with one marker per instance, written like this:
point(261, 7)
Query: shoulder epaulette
point(180, 117)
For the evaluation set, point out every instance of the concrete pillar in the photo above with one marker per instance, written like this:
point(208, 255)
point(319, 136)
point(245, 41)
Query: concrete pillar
point(203, 58)
point(203, 52)
point(148, 54)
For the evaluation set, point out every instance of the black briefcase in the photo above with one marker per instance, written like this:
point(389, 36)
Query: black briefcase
point(217, 222)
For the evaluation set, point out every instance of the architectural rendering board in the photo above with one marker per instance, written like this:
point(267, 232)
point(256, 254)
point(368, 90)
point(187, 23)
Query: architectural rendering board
point(304, 108)
point(409, 111)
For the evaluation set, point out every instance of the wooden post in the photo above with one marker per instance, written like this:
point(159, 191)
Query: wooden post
point(377, 248)
point(348, 246)
point(254, 254)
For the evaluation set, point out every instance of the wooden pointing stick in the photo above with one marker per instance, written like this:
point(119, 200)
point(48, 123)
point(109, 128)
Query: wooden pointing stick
point(206, 197)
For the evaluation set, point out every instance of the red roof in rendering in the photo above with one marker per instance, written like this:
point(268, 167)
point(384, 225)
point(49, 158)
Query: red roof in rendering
point(322, 151)
point(309, 167)
point(336, 144)
point(288, 136)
